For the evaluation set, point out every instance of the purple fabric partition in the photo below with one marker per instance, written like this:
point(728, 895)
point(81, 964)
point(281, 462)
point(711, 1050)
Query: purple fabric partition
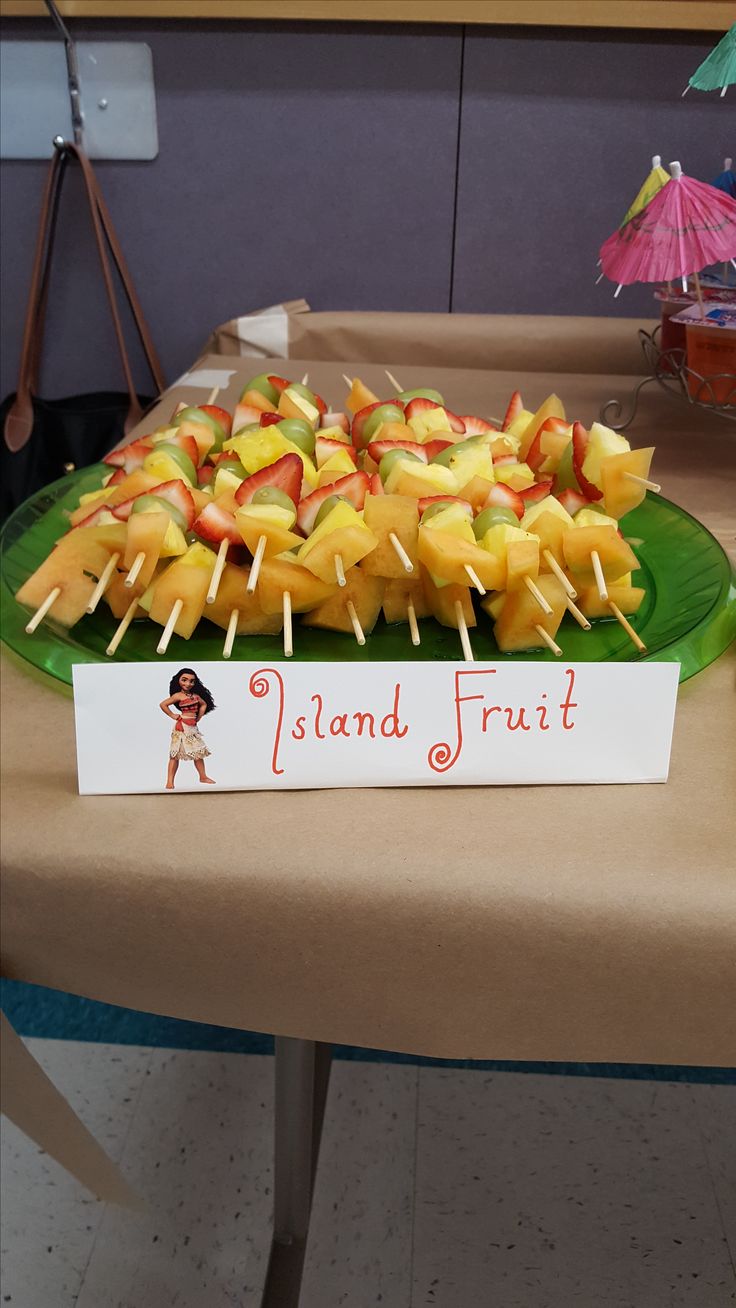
point(333, 162)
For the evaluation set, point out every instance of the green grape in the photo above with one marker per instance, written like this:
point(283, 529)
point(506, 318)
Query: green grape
point(272, 495)
point(327, 507)
point(299, 432)
point(390, 458)
point(493, 517)
point(157, 504)
point(384, 413)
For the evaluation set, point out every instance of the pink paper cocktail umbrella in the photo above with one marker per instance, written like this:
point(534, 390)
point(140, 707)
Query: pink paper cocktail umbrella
point(685, 227)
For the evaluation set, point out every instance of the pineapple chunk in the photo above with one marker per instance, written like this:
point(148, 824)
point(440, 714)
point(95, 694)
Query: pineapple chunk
point(547, 505)
point(294, 405)
point(516, 475)
point(360, 396)
point(441, 602)
point(620, 494)
point(188, 579)
point(428, 423)
point(552, 407)
point(592, 518)
point(282, 574)
point(270, 520)
point(628, 599)
point(341, 532)
point(365, 592)
point(516, 626)
point(471, 462)
point(446, 556)
point(409, 477)
point(602, 444)
point(75, 566)
point(232, 594)
point(384, 514)
point(616, 557)
point(453, 520)
point(336, 466)
point(399, 594)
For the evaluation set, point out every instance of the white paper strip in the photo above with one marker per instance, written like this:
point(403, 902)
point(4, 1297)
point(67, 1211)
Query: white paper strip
point(266, 332)
point(281, 725)
point(207, 378)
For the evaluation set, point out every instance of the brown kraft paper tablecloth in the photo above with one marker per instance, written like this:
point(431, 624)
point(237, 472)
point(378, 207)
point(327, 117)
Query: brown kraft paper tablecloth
point(571, 923)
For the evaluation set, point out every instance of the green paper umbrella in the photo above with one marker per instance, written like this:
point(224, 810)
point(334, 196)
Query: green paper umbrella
point(718, 71)
point(653, 183)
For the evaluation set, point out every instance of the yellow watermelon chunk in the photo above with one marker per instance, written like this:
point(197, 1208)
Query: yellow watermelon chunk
point(366, 593)
point(384, 514)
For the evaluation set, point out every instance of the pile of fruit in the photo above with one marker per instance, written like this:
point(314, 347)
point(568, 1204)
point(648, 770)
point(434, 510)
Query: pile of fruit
point(397, 506)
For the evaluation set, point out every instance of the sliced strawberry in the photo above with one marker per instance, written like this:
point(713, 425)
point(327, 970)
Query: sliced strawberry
point(205, 474)
point(220, 415)
point(377, 449)
point(324, 446)
point(244, 415)
point(433, 448)
point(514, 409)
point(176, 493)
point(280, 383)
point(320, 404)
point(535, 455)
point(425, 502)
point(476, 426)
point(119, 475)
point(335, 420)
point(122, 510)
point(130, 456)
point(376, 486)
point(285, 474)
point(456, 424)
point(579, 445)
point(539, 491)
point(188, 445)
point(94, 518)
point(359, 421)
point(501, 496)
point(500, 459)
point(270, 419)
point(354, 487)
point(216, 524)
point(572, 501)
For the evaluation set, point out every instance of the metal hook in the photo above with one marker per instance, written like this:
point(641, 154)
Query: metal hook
point(72, 74)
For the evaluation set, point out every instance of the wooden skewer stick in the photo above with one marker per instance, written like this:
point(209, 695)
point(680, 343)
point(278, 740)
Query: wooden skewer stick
point(536, 592)
point(392, 379)
point(475, 579)
point(348, 381)
point(122, 627)
point(618, 615)
point(462, 627)
point(305, 379)
point(135, 568)
point(176, 609)
point(232, 627)
point(699, 293)
point(41, 612)
point(256, 566)
point(579, 617)
point(643, 481)
point(340, 571)
point(288, 632)
point(411, 614)
point(213, 395)
point(359, 636)
point(600, 580)
point(217, 571)
point(554, 566)
point(549, 642)
point(401, 553)
point(103, 583)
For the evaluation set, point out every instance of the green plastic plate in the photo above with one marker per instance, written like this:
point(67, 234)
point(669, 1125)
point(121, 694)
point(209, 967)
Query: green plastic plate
point(688, 616)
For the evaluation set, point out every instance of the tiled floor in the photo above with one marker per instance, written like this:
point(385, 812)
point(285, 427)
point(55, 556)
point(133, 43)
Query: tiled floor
point(457, 1189)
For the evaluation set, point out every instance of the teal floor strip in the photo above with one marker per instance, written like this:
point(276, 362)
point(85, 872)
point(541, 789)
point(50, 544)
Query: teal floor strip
point(53, 1014)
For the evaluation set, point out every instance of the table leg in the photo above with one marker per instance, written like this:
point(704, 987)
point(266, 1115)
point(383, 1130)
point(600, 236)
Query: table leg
point(302, 1076)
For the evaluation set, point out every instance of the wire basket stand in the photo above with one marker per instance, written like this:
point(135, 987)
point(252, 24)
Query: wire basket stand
point(670, 370)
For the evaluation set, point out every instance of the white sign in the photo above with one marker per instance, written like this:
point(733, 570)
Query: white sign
point(279, 726)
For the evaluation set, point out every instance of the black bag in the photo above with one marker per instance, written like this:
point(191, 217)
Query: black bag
point(44, 439)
